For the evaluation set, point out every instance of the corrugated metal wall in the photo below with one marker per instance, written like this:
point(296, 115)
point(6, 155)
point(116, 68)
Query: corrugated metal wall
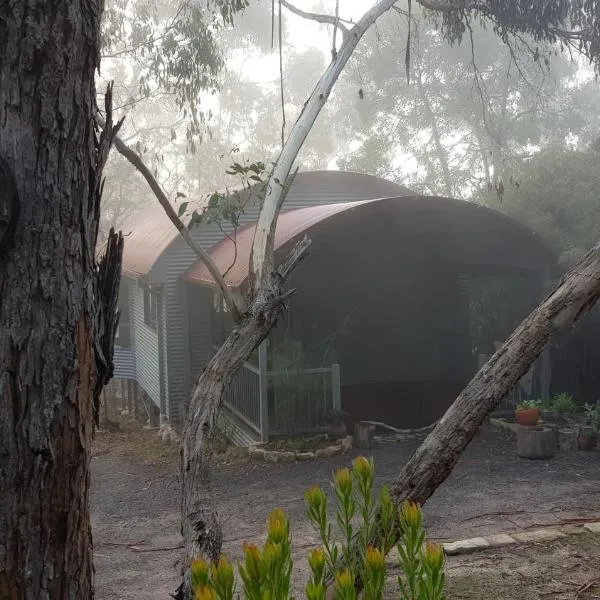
point(146, 347)
point(124, 362)
point(179, 257)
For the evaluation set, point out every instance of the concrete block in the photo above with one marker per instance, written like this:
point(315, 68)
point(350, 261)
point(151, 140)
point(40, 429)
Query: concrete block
point(287, 457)
point(305, 455)
point(538, 535)
point(499, 540)
point(329, 451)
point(593, 527)
point(465, 546)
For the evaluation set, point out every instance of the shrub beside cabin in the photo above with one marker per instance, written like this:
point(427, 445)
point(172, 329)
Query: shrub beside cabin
point(401, 299)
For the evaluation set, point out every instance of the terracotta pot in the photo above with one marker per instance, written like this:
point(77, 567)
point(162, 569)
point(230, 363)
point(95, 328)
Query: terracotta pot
point(527, 416)
point(587, 439)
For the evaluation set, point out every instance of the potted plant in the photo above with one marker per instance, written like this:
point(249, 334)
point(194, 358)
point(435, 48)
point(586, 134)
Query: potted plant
point(528, 412)
point(587, 438)
point(564, 407)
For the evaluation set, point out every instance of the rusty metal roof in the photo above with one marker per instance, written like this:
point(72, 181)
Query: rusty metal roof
point(232, 256)
point(149, 233)
point(147, 236)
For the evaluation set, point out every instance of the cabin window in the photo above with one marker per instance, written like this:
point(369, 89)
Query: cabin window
point(151, 297)
point(123, 336)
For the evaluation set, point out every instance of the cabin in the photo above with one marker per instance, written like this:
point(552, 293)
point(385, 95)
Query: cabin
point(402, 298)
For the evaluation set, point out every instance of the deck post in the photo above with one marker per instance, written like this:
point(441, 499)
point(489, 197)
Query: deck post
point(124, 401)
point(336, 395)
point(263, 391)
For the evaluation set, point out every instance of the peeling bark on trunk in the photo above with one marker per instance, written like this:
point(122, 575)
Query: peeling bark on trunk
point(435, 459)
point(57, 318)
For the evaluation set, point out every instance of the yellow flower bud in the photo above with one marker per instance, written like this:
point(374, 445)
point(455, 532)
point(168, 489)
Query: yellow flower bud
point(199, 573)
point(433, 556)
point(374, 559)
point(271, 553)
point(205, 592)
point(343, 480)
point(277, 526)
point(344, 580)
point(410, 514)
point(223, 573)
point(315, 497)
point(252, 561)
point(363, 467)
point(316, 562)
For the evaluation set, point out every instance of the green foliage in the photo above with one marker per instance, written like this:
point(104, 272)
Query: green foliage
point(460, 134)
point(556, 194)
point(526, 404)
point(356, 519)
point(175, 49)
point(551, 21)
point(592, 415)
point(422, 562)
point(265, 573)
point(564, 406)
point(225, 209)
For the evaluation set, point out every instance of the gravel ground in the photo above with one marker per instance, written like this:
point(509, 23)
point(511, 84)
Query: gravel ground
point(135, 501)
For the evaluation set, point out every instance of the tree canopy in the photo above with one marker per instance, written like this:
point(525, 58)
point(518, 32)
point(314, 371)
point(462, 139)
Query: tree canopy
point(556, 194)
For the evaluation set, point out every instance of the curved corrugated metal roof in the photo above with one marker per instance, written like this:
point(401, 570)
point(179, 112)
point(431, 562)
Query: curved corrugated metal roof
point(233, 256)
point(150, 233)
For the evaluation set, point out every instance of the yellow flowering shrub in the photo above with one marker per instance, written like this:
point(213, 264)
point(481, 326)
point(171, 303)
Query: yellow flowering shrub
point(365, 526)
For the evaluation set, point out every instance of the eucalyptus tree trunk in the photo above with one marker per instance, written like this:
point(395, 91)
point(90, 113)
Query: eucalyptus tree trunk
point(57, 308)
point(268, 295)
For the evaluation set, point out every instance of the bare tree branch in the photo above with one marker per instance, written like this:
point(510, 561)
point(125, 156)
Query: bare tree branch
point(319, 18)
point(132, 156)
point(283, 122)
point(262, 259)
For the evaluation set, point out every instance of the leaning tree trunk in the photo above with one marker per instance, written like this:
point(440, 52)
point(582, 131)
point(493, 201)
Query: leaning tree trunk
point(200, 525)
point(435, 459)
point(57, 315)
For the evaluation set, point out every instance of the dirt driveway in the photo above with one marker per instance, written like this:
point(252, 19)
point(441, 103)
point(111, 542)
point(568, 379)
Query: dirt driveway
point(135, 503)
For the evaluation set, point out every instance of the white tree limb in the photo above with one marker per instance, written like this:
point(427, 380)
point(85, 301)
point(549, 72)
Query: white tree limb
point(262, 259)
point(132, 156)
point(319, 18)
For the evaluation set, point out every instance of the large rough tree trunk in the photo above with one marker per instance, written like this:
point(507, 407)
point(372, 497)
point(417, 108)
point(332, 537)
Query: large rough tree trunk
point(57, 309)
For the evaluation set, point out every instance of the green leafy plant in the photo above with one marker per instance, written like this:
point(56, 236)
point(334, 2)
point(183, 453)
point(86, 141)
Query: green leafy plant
point(592, 415)
point(564, 406)
point(358, 549)
point(528, 404)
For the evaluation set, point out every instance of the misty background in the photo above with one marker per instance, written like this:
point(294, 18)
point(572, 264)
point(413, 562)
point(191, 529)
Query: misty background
point(514, 126)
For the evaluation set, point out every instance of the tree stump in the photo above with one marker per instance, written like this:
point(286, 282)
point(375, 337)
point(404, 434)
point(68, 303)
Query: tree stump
point(364, 435)
point(536, 442)
point(567, 439)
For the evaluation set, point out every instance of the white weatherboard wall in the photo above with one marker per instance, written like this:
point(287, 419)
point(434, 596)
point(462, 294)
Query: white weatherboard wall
point(310, 189)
